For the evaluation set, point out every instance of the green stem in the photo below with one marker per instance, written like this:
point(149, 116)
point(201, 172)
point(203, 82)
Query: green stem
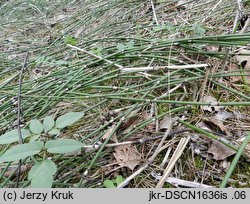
point(235, 161)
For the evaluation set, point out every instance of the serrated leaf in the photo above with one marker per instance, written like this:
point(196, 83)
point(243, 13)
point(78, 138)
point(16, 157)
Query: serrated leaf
point(12, 136)
point(36, 126)
point(119, 180)
point(54, 132)
point(68, 119)
point(108, 184)
point(63, 145)
point(47, 166)
point(21, 151)
point(48, 123)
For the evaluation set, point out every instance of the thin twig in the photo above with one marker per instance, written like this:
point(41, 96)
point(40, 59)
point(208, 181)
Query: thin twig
point(207, 14)
point(94, 55)
point(154, 13)
point(238, 15)
point(181, 183)
point(168, 67)
point(19, 114)
point(180, 148)
point(138, 141)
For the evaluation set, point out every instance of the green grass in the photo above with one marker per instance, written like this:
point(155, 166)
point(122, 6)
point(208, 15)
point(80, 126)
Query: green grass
point(59, 79)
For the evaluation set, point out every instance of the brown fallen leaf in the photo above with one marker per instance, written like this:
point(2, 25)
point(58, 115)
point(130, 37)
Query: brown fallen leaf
point(210, 48)
point(203, 126)
point(246, 152)
point(165, 123)
point(220, 151)
point(127, 155)
point(216, 126)
point(57, 19)
point(129, 123)
point(234, 79)
point(225, 165)
point(133, 122)
point(106, 135)
point(213, 104)
point(243, 58)
point(223, 115)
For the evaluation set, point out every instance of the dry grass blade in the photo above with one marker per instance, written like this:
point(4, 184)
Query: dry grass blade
point(182, 183)
point(177, 153)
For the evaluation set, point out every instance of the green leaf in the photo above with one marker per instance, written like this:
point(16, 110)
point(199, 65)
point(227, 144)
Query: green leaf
point(109, 184)
point(63, 145)
point(157, 28)
point(36, 126)
point(68, 119)
point(46, 165)
point(48, 123)
point(119, 180)
point(34, 138)
point(41, 174)
point(42, 180)
point(21, 151)
point(130, 44)
point(120, 47)
point(98, 51)
point(198, 30)
point(12, 136)
point(70, 40)
point(54, 132)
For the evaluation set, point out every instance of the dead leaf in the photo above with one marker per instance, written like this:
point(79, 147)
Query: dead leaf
point(216, 126)
point(57, 19)
point(213, 104)
point(246, 150)
point(225, 165)
point(243, 58)
point(165, 123)
point(203, 126)
point(106, 135)
point(210, 48)
point(63, 104)
point(234, 79)
point(223, 115)
point(132, 119)
point(151, 126)
point(220, 151)
point(129, 124)
point(127, 155)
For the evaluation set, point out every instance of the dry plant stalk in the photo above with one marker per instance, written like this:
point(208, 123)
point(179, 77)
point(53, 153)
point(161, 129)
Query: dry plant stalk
point(180, 148)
